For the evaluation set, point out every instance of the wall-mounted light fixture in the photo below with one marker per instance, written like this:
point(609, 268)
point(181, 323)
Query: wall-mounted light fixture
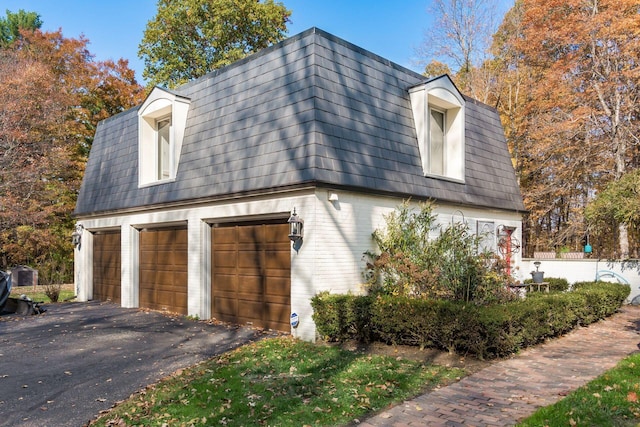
point(76, 236)
point(332, 197)
point(296, 224)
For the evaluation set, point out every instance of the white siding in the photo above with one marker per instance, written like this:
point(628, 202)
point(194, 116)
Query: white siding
point(336, 236)
point(130, 259)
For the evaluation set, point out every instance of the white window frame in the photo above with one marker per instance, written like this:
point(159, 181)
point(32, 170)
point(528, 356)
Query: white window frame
point(437, 160)
point(164, 158)
point(440, 94)
point(159, 106)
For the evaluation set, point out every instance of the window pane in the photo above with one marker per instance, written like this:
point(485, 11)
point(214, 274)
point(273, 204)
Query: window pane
point(163, 148)
point(436, 142)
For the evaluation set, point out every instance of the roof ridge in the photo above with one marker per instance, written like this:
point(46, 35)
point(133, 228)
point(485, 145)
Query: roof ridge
point(292, 39)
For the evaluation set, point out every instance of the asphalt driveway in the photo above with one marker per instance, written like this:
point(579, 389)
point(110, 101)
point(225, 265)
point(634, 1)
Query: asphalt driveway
point(63, 367)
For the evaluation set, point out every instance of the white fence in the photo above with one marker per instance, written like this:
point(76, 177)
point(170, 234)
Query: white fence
point(579, 270)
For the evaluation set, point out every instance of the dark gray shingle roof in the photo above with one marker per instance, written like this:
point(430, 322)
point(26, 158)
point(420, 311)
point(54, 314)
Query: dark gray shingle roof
point(313, 109)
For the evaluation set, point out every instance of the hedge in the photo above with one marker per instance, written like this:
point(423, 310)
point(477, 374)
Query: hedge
point(340, 317)
point(463, 328)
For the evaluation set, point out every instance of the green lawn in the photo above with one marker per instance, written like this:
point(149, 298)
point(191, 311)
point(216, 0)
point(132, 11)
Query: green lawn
point(280, 382)
point(612, 399)
point(285, 382)
point(39, 293)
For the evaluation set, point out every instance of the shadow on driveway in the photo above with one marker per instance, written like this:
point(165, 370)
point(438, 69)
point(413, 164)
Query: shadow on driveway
point(63, 367)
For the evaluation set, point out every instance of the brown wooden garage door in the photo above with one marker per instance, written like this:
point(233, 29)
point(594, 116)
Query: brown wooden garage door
point(163, 269)
point(106, 266)
point(251, 275)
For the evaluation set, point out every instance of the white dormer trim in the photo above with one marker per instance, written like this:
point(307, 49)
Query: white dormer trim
point(440, 94)
point(160, 105)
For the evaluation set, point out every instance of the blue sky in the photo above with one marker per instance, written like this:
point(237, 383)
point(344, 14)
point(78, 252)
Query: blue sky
point(390, 28)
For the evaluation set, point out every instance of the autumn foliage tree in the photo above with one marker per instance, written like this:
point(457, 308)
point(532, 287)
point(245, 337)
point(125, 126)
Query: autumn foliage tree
point(53, 93)
point(570, 107)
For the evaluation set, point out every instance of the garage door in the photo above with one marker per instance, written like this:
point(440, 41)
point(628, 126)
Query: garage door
point(251, 275)
point(163, 269)
point(106, 266)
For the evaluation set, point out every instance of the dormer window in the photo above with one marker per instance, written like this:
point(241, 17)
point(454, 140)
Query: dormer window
point(162, 119)
point(438, 112)
point(437, 138)
point(163, 140)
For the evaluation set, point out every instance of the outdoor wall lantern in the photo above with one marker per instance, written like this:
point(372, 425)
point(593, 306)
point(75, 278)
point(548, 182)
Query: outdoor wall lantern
point(76, 236)
point(296, 225)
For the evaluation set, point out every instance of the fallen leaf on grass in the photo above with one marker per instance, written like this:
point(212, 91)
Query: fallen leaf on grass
point(632, 397)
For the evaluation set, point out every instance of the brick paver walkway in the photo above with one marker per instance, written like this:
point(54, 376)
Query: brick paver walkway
point(511, 389)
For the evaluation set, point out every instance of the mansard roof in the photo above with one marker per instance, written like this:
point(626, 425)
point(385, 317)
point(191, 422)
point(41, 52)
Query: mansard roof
point(313, 110)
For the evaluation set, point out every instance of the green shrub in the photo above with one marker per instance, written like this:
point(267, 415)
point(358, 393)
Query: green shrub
point(447, 266)
point(53, 292)
point(502, 330)
point(602, 298)
point(495, 330)
point(410, 321)
point(340, 317)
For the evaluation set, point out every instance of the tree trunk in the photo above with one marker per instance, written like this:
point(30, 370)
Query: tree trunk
point(623, 236)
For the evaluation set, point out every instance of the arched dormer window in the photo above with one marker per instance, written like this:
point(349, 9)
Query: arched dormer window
point(161, 122)
point(438, 113)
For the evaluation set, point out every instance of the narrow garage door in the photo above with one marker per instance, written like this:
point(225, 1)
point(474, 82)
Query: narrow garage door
point(106, 266)
point(251, 275)
point(163, 269)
